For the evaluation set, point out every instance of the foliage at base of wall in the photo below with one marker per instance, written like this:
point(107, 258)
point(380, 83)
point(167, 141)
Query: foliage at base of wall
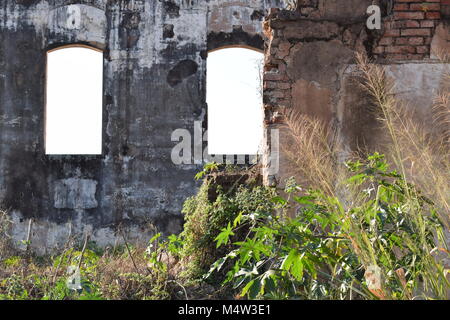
point(242, 241)
point(223, 197)
point(385, 244)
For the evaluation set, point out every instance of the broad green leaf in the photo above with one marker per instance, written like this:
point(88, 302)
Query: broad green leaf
point(255, 289)
point(224, 236)
point(247, 287)
point(308, 200)
point(279, 200)
point(357, 179)
point(297, 268)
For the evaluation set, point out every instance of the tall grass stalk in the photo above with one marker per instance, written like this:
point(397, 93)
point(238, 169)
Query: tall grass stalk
point(420, 153)
point(422, 158)
point(312, 151)
point(420, 200)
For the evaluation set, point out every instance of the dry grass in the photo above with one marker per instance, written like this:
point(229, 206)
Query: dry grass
point(313, 151)
point(419, 151)
point(4, 234)
point(113, 275)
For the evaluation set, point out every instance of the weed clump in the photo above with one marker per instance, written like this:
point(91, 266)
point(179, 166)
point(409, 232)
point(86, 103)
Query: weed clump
point(221, 199)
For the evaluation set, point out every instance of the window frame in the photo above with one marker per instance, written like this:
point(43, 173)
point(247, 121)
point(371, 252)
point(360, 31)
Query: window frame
point(57, 47)
point(231, 46)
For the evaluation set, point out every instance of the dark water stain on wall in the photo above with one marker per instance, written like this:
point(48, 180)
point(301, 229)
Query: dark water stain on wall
point(154, 83)
point(181, 71)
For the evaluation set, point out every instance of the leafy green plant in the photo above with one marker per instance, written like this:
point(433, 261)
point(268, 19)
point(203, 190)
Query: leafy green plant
point(282, 258)
point(15, 289)
point(159, 249)
point(5, 223)
point(208, 168)
point(328, 249)
point(205, 218)
point(394, 227)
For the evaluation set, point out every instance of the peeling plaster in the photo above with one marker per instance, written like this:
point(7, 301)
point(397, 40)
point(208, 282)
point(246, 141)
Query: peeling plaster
point(153, 84)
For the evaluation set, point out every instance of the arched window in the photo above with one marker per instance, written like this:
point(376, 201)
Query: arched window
point(234, 97)
point(74, 101)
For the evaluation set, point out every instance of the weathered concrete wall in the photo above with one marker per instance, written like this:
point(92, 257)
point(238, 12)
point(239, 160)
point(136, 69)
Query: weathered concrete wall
point(416, 85)
point(310, 56)
point(154, 82)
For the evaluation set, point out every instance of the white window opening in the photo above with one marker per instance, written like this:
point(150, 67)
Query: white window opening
point(74, 101)
point(234, 97)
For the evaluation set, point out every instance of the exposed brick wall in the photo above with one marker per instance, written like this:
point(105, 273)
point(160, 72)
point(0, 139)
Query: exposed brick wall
point(309, 53)
point(408, 31)
point(445, 9)
point(276, 82)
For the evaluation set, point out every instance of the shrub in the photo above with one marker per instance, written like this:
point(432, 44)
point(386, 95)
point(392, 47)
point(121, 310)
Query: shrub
point(216, 205)
point(380, 246)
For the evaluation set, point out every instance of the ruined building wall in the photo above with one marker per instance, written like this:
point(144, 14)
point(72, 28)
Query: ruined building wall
point(154, 82)
point(309, 66)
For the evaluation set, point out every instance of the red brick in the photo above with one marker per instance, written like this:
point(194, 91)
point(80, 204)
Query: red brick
point(386, 41)
point(401, 7)
point(425, 6)
point(433, 15)
point(422, 49)
point(416, 32)
point(270, 68)
point(409, 15)
point(283, 85)
point(279, 93)
point(397, 57)
point(282, 68)
point(283, 50)
point(388, 24)
point(270, 84)
point(405, 56)
point(401, 41)
point(400, 49)
point(285, 103)
point(412, 24)
point(378, 50)
point(406, 24)
point(415, 41)
point(276, 85)
point(271, 76)
point(427, 24)
point(392, 33)
point(416, 56)
point(417, 7)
